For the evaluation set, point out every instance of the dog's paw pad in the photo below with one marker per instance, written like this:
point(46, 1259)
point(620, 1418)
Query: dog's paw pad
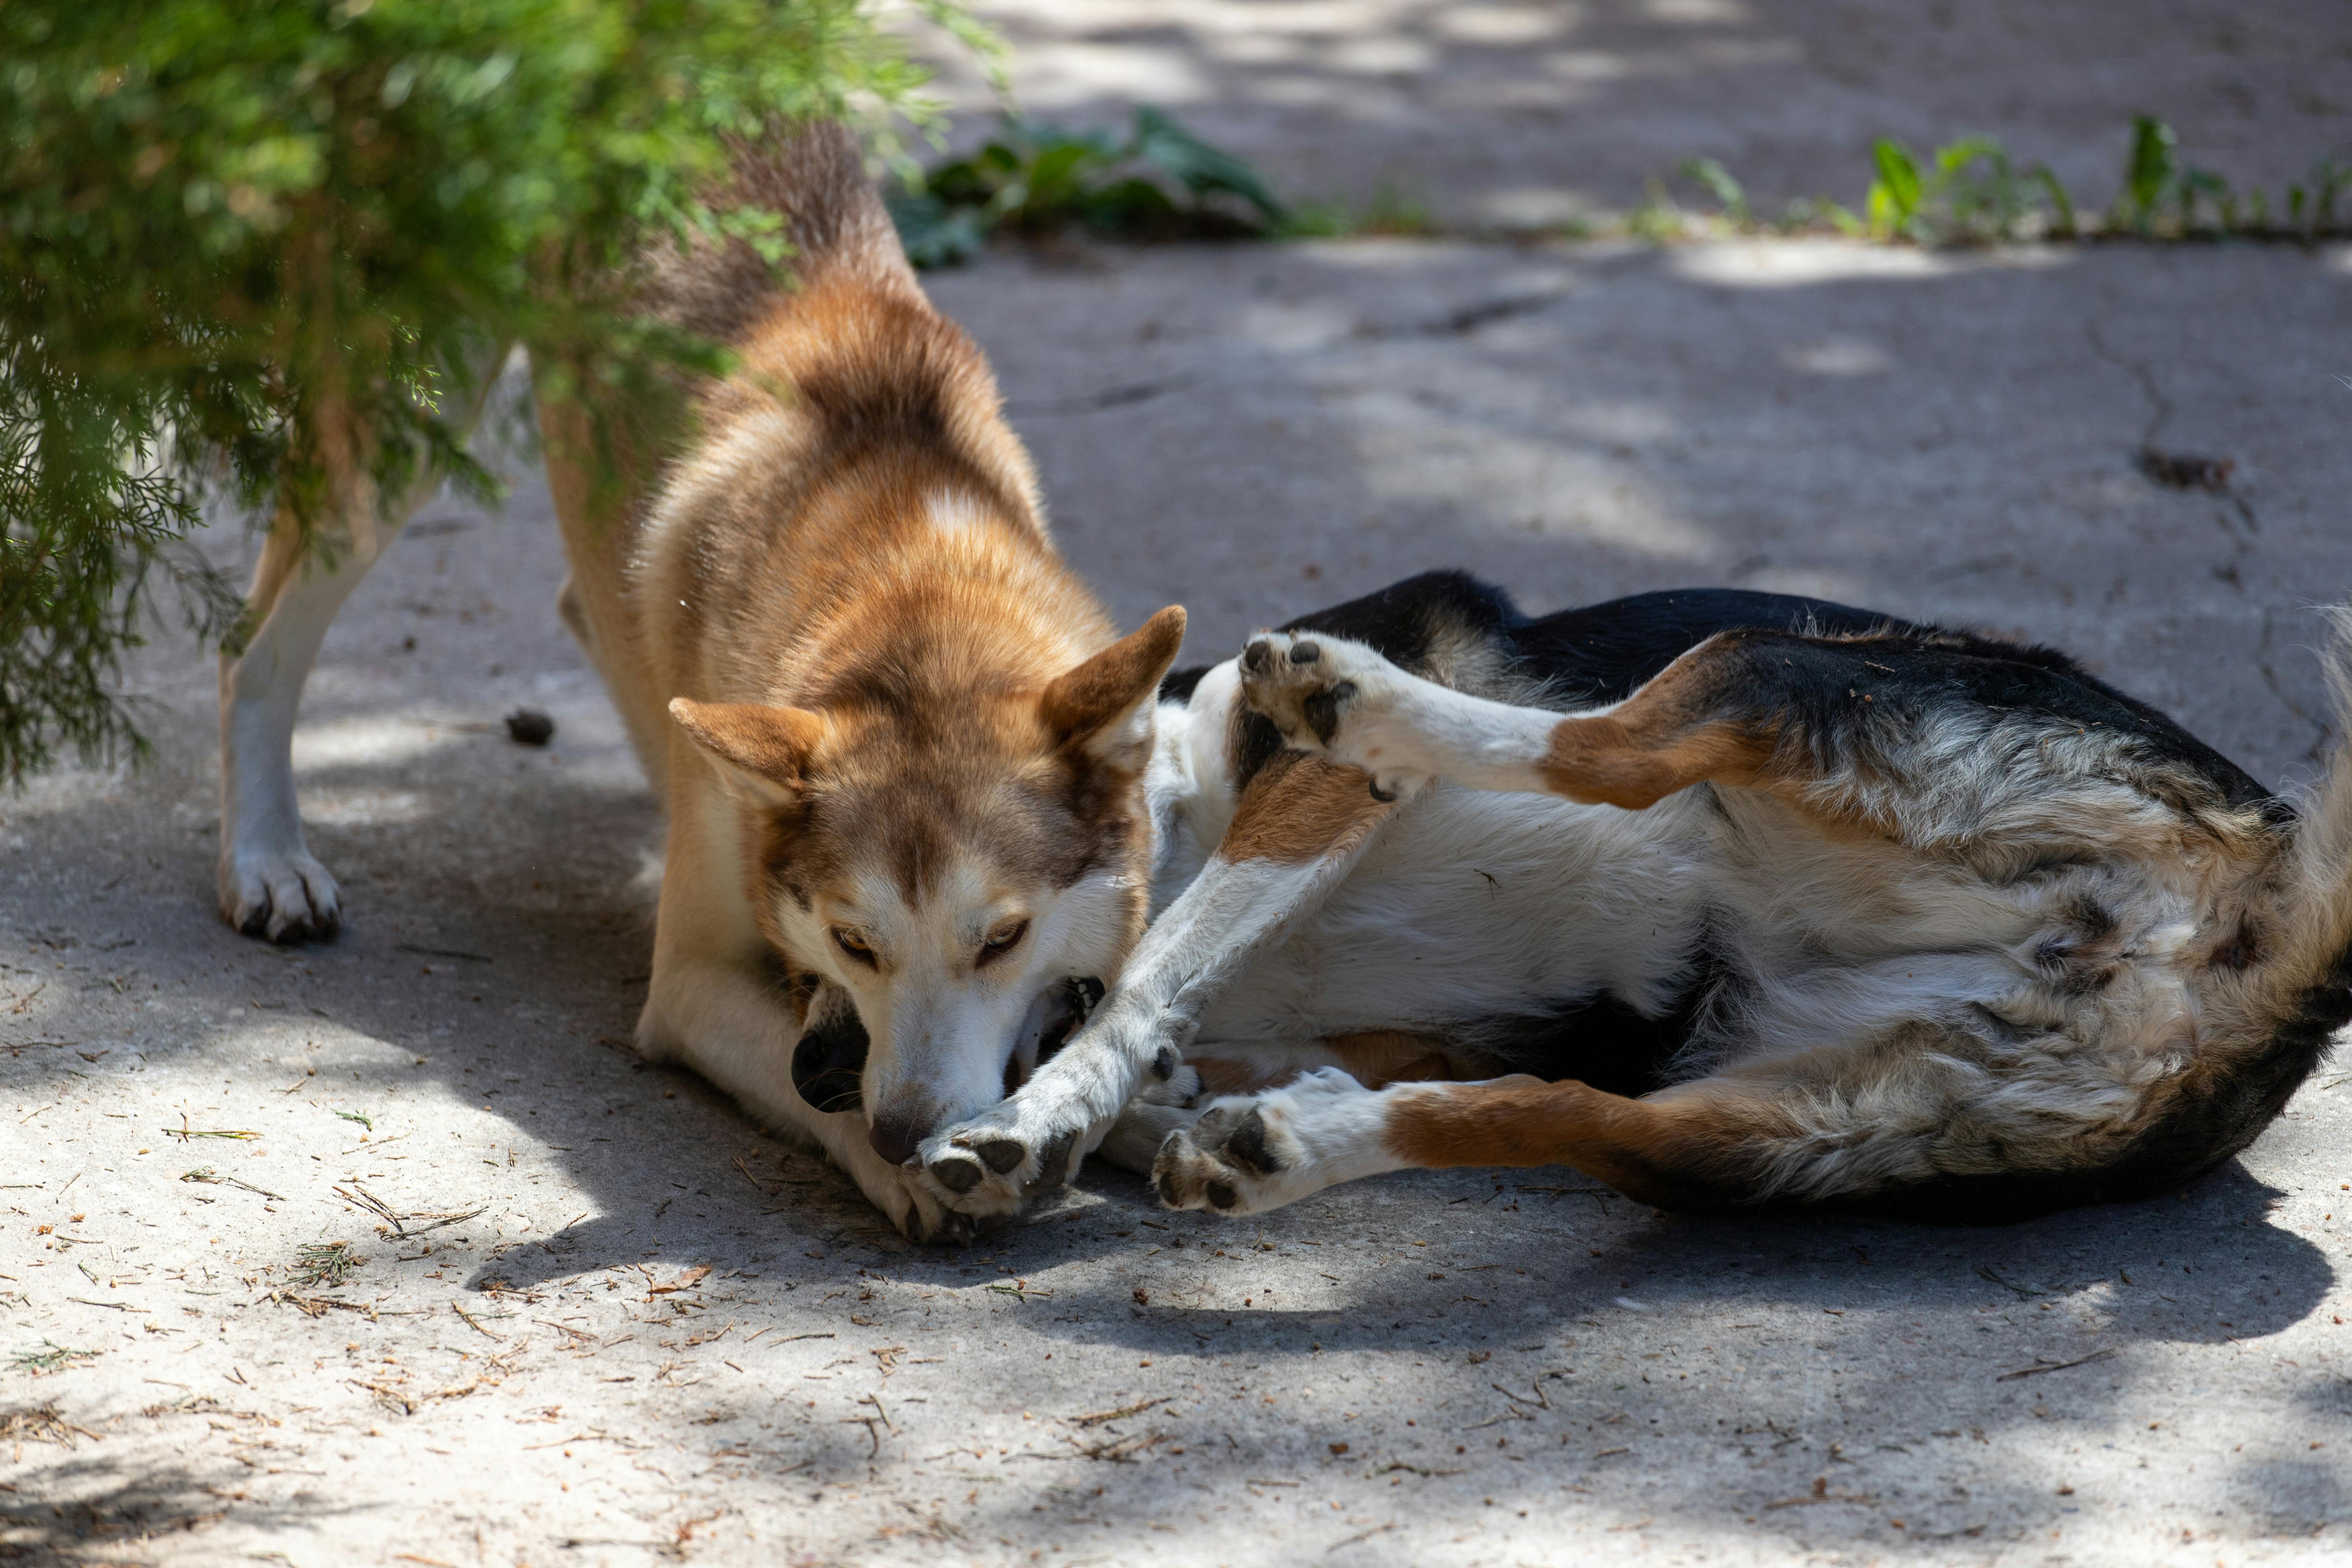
point(1227, 1161)
point(1299, 683)
point(958, 1173)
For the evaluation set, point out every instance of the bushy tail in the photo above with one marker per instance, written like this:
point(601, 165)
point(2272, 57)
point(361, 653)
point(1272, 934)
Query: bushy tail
point(814, 176)
point(2267, 1031)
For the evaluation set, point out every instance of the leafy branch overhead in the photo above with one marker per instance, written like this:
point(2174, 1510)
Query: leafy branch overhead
point(258, 254)
point(1159, 181)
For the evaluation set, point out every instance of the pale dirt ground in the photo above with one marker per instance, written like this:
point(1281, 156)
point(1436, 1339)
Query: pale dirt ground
point(1521, 1371)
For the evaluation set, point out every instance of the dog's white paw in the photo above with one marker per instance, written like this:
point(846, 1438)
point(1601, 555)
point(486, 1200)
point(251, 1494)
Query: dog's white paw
point(993, 1164)
point(1331, 695)
point(285, 896)
point(1247, 1154)
point(915, 1210)
point(989, 1167)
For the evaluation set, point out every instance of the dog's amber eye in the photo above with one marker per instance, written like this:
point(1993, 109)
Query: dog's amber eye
point(1002, 942)
point(850, 943)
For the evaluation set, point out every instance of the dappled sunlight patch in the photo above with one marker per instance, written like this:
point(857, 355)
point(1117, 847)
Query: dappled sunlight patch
point(1838, 356)
point(1410, 454)
point(371, 740)
point(1803, 263)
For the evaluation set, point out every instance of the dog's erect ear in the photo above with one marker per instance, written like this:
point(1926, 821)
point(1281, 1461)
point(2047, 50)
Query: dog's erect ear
point(762, 752)
point(1104, 706)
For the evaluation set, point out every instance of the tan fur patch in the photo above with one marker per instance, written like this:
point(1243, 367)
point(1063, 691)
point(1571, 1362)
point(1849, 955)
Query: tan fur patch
point(1219, 1075)
point(1300, 807)
point(1686, 1152)
point(1642, 753)
point(1379, 1057)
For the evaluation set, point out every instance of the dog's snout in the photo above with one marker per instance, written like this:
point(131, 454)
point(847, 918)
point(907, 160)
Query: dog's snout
point(896, 1138)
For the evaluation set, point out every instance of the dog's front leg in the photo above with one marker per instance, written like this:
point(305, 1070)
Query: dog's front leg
point(731, 1023)
point(1301, 825)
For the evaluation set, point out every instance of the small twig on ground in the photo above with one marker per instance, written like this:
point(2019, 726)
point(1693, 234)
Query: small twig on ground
point(765, 1192)
point(2047, 1365)
point(1987, 1271)
point(206, 1174)
point(184, 1132)
point(402, 1225)
point(472, 1322)
point(1360, 1535)
point(41, 1424)
point(1100, 1417)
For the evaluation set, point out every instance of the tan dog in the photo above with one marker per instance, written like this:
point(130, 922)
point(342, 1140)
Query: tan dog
point(900, 749)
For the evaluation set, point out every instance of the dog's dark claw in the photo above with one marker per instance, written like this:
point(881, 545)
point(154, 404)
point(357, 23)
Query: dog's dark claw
point(956, 1172)
point(1383, 796)
point(1246, 1146)
point(1002, 1154)
point(1053, 1165)
point(1322, 710)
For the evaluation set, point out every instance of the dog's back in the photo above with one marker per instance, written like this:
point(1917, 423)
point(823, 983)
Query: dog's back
point(678, 529)
point(900, 748)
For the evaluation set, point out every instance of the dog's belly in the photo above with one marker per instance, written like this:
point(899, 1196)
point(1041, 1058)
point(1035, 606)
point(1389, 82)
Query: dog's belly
point(1518, 930)
point(1631, 949)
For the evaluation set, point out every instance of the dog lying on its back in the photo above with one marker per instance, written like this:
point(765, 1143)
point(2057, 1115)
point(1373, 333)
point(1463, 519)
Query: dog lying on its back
point(1728, 899)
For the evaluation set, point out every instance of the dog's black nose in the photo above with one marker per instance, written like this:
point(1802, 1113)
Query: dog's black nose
point(896, 1138)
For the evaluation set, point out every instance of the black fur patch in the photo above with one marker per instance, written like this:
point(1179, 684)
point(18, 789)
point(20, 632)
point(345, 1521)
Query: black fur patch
point(829, 1064)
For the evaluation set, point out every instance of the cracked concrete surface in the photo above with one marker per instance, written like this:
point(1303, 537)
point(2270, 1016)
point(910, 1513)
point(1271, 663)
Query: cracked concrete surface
point(637, 1329)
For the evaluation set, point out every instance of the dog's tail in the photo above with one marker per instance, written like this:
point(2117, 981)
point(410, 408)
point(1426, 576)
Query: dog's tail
point(2282, 989)
point(811, 175)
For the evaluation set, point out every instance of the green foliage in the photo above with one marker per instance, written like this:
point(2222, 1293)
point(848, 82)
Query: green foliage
point(261, 251)
point(1391, 213)
point(1969, 192)
point(1159, 182)
point(1718, 183)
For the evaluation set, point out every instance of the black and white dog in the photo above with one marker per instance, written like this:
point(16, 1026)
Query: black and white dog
point(1725, 898)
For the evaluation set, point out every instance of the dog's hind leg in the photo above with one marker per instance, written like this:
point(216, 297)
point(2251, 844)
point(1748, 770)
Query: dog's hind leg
point(270, 884)
point(1847, 1126)
point(1998, 755)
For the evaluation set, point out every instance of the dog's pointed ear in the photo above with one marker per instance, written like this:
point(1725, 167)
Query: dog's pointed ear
point(1102, 707)
point(761, 752)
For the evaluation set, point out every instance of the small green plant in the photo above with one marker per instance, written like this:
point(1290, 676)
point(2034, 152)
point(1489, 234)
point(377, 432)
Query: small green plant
point(1968, 191)
point(323, 1263)
point(1159, 182)
point(355, 1116)
point(1718, 183)
point(51, 1358)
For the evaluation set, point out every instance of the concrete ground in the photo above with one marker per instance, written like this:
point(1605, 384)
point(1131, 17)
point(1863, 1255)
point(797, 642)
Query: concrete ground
point(1511, 114)
point(591, 1334)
